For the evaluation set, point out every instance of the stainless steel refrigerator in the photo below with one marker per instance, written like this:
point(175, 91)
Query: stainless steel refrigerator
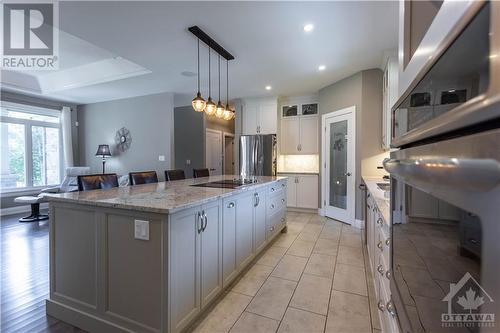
point(258, 155)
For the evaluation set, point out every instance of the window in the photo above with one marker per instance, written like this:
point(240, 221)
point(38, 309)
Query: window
point(31, 147)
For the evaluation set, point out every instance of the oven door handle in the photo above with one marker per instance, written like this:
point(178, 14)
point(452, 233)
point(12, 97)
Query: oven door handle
point(468, 174)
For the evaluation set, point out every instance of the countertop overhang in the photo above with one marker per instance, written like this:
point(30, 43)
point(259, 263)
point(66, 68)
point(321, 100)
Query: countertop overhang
point(383, 203)
point(162, 197)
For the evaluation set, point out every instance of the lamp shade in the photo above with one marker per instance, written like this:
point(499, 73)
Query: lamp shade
point(103, 150)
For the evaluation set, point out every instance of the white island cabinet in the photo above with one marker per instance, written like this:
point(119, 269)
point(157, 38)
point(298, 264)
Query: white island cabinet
point(109, 274)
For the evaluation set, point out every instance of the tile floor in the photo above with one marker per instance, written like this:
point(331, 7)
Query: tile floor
point(314, 278)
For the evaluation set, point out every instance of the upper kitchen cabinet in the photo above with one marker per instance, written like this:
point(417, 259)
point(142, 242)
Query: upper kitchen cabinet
point(299, 125)
point(390, 96)
point(260, 116)
point(424, 28)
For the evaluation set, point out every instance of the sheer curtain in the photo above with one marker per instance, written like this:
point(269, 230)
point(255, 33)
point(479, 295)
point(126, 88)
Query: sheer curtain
point(66, 136)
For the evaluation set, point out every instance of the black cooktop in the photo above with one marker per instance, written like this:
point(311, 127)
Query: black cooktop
point(227, 183)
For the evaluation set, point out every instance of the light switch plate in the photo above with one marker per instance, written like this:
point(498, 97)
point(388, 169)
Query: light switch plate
point(188, 162)
point(141, 229)
point(161, 158)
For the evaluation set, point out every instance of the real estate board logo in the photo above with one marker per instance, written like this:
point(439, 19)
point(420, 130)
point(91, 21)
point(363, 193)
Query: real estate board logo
point(30, 35)
point(465, 299)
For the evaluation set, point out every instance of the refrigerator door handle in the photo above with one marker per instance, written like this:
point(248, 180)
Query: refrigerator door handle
point(469, 174)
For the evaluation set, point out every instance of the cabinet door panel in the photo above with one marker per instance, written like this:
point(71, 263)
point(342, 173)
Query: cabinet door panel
point(309, 135)
point(268, 118)
point(291, 191)
point(184, 299)
point(290, 130)
point(229, 242)
point(244, 229)
point(211, 254)
point(260, 220)
point(447, 211)
point(250, 112)
point(307, 191)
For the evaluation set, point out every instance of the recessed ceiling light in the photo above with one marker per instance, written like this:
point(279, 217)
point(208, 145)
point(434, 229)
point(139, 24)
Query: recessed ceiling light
point(321, 67)
point(308, 27)
point(268, 87)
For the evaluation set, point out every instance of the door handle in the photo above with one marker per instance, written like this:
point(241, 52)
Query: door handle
point(198, 221)
point(212, 169)
point(348, 174)
point(468, 174)
point(205, 218)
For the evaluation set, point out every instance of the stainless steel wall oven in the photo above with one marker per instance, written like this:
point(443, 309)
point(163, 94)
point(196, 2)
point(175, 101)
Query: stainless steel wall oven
point(445, 182)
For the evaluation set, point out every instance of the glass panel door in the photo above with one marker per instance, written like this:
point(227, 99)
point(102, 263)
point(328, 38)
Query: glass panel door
point(338, 164)
point(339, 175)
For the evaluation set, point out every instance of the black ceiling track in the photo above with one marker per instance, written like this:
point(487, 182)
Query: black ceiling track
point(195, 30)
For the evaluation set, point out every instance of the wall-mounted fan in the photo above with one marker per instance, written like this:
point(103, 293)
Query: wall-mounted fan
point(123, 139)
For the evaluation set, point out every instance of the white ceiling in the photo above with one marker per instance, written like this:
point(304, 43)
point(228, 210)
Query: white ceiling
point(266, 38)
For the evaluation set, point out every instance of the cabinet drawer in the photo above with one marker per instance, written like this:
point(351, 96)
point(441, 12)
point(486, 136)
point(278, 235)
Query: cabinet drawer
point(383, 244)
point(276, 189)
point(275, 223)
point(382, 273)
point(276, 203)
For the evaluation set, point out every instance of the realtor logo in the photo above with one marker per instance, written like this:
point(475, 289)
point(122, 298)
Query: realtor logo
point(30, 35)
point(464, 305)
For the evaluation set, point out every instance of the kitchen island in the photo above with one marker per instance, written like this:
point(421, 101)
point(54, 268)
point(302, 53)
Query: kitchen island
point(153, 257)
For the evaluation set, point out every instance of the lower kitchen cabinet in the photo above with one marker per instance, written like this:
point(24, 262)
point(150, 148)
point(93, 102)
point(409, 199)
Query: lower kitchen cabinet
point(423, 205)
point(302, 191)
point(195, 259)
point(260, 219)
point(244, 229)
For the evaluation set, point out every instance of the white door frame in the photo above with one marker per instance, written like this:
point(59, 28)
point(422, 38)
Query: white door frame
point(220, 134)
point(224, 135)
point(324, 172)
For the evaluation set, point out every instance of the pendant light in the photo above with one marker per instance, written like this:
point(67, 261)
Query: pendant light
point(228, 113)
point(219, 112)
point(210, 107)
point(198, 102)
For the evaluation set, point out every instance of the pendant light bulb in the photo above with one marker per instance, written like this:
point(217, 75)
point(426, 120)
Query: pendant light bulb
point(198, 102)
point(210, 108)
point(219, 112)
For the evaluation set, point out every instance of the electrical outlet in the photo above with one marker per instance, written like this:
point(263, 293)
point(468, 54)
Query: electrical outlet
point(141, 229)
point(161, 158)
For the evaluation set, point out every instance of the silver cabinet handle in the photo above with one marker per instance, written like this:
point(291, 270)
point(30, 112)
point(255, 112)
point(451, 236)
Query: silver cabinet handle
point(390, 308)
point(388, 242)
point(283, 185)
point(273, 189)
point(283, 200)
point(272, 228)
point(380, 269)
point(282, 219)
point(381, 306)
point(272, 206)
point(230, 205)
point(380, 221)
point(205, 219)
point(379, 245)
point(468, 174)
point(198, 221)
point(388, 275)
point(257, 199)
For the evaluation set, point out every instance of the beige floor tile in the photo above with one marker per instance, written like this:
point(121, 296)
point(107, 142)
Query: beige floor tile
point(225, 314)
point(294, 227)
point(317, 219)
point(350, 279)
point(272, 256)
point(252, 323)
point(348, 313)
point(331, 233)
point(350, 229)
point(308, 236)
point(333, 223)
point(312, 294)
point(301, 248)
point(326, 246)
point(350, 239)
point(299, 321)
point(251, 282)
point(272, 299)
point(350, 256)
point(290, 267)
point(321, 265)
point(285, 240)
point(312, 228)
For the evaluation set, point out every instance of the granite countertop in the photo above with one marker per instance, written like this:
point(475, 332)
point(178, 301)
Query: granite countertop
point(163, 197)
point(383, 203)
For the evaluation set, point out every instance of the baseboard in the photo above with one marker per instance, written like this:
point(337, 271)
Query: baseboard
point(360, 224)
point(20, 209)
point(301, 210)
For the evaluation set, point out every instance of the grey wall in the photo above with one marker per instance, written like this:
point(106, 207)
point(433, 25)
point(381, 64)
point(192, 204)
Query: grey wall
point(363, 90)
point(150, 121)
point(189, 139)
point(7, 200)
